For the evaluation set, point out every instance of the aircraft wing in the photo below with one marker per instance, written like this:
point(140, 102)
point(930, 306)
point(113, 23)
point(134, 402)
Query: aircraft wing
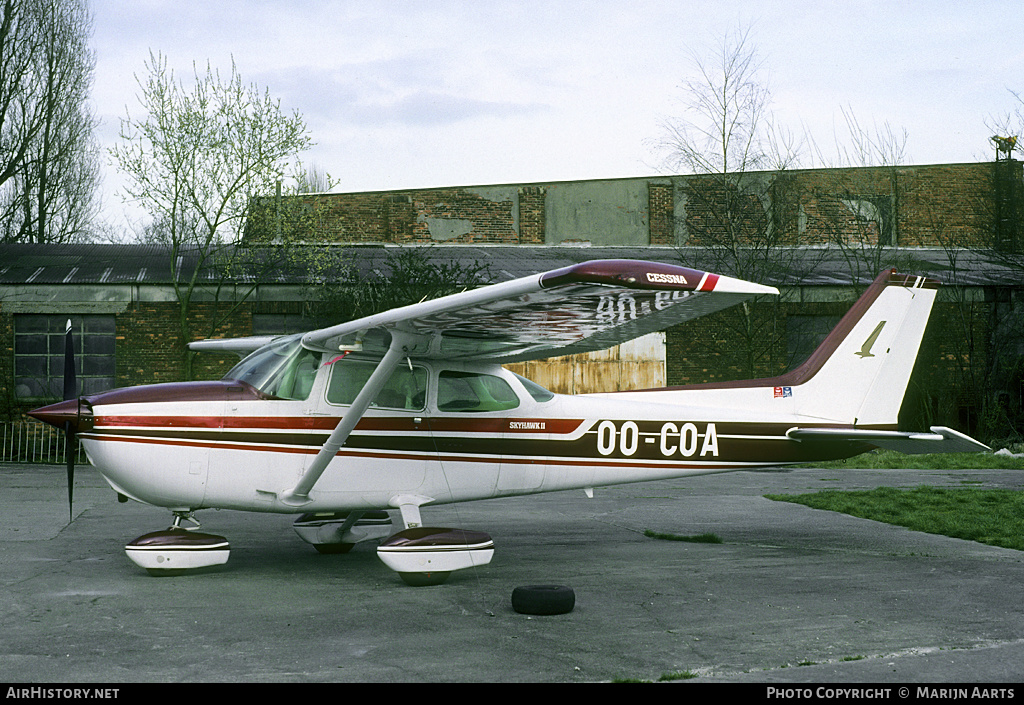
point(580, 308)
point(238, 346)
point(940, 440)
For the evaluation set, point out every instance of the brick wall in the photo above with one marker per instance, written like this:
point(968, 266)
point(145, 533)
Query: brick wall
point(930, 205)
point(452, 216)
point(952, 204)
point(661, 205)
point(712, 348)
point(150, 349)
point(7, 399)
point(915, 206)
point(718, 211)
point(532, 216)
point(460, 216)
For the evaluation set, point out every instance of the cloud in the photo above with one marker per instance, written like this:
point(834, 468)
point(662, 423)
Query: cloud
point(433, 109)
point(404, 92)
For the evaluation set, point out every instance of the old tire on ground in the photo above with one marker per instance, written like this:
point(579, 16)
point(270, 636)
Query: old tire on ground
point(543, 599)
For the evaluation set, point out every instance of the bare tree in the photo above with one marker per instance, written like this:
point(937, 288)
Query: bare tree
point(737, 202)
point(20, 113)
point(1009, 125)
point(402, 277)
point(882, 145)
point(195, 161)
point(50, 174)
point(727, 126)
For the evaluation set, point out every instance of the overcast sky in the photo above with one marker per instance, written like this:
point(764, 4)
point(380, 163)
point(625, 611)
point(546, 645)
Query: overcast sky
point(404, 94)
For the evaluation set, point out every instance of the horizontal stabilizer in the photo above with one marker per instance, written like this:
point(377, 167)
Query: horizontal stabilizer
point(940, 440)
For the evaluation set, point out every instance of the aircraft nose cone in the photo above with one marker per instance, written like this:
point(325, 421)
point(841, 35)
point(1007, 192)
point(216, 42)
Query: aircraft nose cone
point(60, 414)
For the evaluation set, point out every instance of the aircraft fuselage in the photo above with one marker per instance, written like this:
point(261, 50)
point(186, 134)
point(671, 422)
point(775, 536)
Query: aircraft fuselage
point(224, 444)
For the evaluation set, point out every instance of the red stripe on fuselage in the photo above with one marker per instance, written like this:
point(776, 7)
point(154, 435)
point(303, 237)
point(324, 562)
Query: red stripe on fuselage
point(301, 423)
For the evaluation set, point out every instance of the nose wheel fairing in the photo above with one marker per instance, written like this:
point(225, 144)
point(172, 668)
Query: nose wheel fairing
point(175, 551)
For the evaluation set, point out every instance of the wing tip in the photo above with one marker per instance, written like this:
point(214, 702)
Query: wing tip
point(644, 274)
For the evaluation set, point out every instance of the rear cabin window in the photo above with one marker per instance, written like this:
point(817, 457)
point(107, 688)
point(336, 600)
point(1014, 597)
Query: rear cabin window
point(473, 392)
point(405, 388)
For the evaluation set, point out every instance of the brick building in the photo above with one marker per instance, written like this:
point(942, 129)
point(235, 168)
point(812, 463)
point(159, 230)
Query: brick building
point(905, 206)
point(820, 235)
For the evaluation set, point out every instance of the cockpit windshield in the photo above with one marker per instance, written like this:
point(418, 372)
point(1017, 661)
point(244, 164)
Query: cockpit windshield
point(282, 369)
point(536, 391)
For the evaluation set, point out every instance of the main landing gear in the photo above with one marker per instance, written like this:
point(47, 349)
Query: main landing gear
point(420, 555)
point(427, 556)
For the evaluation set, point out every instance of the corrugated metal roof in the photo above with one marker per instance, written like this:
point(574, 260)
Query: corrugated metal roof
point(83, 264)
point(153, 265)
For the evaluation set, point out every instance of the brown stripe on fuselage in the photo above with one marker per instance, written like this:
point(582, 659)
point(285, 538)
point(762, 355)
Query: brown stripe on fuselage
point(740, 442)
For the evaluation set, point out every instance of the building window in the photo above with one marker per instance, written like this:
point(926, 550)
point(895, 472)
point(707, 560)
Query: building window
point(39, 354)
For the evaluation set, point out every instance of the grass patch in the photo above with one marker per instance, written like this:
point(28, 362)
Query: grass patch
point(699, 538)
point(990, 516)
point(890, 460)
point(677, 676)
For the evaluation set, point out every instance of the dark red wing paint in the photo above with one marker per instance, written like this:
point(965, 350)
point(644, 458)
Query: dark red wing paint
point(632, 274)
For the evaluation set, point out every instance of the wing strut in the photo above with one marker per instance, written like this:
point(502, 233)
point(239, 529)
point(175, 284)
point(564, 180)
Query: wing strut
point(299, 495)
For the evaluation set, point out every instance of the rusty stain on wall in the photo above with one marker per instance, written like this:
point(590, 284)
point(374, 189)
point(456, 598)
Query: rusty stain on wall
point(637, 364)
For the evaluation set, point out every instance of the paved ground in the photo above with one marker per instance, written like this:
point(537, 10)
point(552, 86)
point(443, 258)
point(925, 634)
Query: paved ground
point(792, 595)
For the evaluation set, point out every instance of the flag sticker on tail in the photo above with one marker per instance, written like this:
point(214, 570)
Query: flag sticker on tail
point(865, 349)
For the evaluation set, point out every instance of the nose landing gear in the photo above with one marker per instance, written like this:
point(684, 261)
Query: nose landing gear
point(177, 550)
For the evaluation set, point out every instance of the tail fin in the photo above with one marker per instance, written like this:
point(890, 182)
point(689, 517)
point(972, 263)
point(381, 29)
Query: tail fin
point(859, 374)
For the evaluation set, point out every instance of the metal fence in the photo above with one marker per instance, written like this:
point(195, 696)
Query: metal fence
point(35, 442)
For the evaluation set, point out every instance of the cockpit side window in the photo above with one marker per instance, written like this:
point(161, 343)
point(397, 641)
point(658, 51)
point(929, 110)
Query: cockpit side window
point(405, 389)
point(473, 392)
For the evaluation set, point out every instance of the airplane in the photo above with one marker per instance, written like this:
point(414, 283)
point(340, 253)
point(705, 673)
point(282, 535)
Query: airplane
point(411, 408)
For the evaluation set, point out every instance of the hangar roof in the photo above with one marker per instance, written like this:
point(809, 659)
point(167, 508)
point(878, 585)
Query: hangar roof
point(77, 264)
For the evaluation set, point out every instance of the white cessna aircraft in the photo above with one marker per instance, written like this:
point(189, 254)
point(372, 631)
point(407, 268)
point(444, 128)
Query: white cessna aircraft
point(411, 408)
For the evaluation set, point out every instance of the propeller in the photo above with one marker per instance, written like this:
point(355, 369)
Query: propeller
point(70, 392)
